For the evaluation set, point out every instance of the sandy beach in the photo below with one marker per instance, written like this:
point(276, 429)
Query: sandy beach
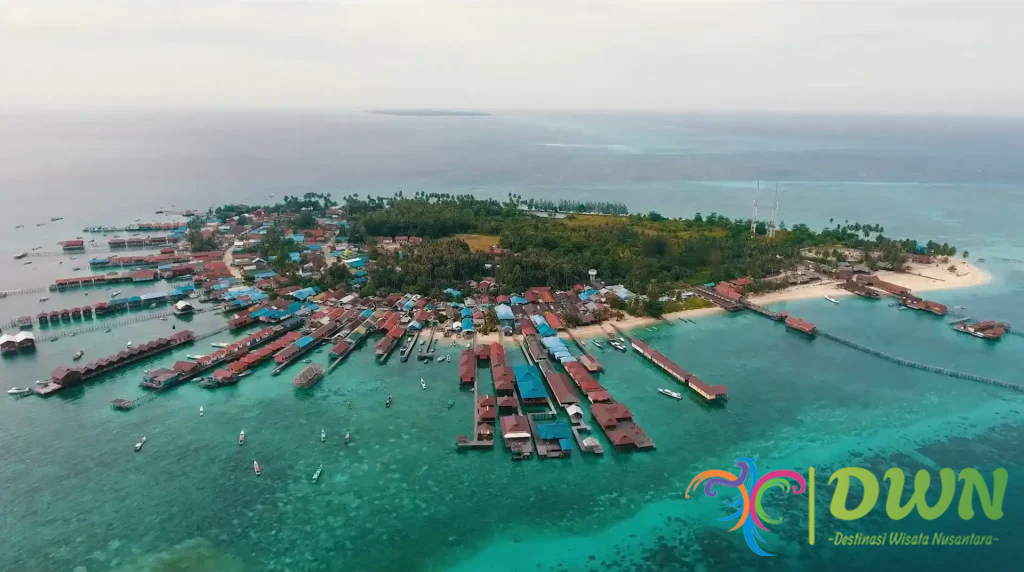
point(922, 278)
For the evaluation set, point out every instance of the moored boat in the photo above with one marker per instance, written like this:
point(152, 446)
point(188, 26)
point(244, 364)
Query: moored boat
point(831, 299)
point(423, 384)
point(256, 468)
point(388, 402)
point(115, 293)
point(670, 393)
point(138, 446)
point(241, 438)
point(200, 410)
point(78, 355)
point(18, 390)
point(129, 344)
point(348, 437)
point(597, 344)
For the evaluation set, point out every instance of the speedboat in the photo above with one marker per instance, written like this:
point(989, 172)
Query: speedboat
point(388, 402)
point(78, 355)
point(440, 358)
point(43, 299)
point(138, 446)
point(36, 247)
point(256, 468)
point(348, 437)
point(115, 293)
point(447, 358)
point(307, 361)
point(163, 318)
point(76, 269)
point(597, 344)
point(27, 263)
point(450, 403)
point(316, 475)
point(193, 358)
point(128, 345)
point(220, 344)
point(18, 390)
point(831, 299)
point(42, 381)
point(73, 257)
point(200, 410)
point(423, 384)
point(670, 393)
point(241, 438)
point(323, 435)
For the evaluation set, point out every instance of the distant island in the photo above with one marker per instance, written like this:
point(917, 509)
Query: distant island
point(428, 113)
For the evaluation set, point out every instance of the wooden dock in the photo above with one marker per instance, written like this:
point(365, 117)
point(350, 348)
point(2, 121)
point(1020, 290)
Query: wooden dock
point(409, 348)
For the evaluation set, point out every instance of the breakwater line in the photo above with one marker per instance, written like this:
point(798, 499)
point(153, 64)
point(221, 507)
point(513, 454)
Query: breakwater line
point(921, 366)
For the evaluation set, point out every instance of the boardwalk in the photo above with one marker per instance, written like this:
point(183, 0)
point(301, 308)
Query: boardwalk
point(6, 293)
point(921, 366)
point(101, 325)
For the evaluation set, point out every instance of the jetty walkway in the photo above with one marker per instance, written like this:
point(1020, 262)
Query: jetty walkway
point(920, 366)
point(100, 325)
point(6, 293)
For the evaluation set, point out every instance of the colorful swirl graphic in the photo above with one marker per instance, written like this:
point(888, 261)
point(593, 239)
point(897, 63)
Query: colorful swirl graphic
point(748, 506)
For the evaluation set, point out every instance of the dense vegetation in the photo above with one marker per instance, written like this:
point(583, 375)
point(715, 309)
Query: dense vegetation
point(648, 253)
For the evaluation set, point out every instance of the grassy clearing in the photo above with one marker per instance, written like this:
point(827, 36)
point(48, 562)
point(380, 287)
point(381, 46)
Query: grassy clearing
point(479, 242)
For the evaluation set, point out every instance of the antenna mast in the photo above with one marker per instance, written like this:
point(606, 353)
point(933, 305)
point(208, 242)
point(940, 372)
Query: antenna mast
point(775, 212)
point(753, 221)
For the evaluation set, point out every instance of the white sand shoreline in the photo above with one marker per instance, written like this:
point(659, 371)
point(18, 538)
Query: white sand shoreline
point(921, 279)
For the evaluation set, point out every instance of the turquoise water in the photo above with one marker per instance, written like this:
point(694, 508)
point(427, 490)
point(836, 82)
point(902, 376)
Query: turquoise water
point(400, 497)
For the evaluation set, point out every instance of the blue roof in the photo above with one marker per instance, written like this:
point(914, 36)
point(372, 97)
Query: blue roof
point(528, 382)
point(119, 301)
point(271, 258)
point(517, 300)
point(361, 273)
point(467, 313)
point(294, 256)
point(134, 299)
point(165, 267)
point(153, 296)
point(504, 312)
point(552, 431)
point(357, 263)
point(542, 326)
point(305, 293)
point(367, 313)
point(416, 325)
point(452, 292)
point(297, 238)
point(304, 341)
point(312, 247)
point(408, 305)
point(467, 325)
point(565, 444)
point(99, 261)
point(213, 221)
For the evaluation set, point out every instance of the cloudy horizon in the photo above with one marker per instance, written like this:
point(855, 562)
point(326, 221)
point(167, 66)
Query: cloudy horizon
point(825, 57)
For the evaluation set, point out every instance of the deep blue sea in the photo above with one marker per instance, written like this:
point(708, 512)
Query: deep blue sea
point(75, 497)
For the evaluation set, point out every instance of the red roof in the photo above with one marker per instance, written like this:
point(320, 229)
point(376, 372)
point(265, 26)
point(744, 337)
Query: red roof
point(486, 401)
point(508, 401)
point(514, 424)
point(527, 327)
point(467, 366)
point(609, 414)
point(553, 321)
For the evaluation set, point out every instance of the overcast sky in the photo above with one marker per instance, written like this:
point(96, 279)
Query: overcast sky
point(858, 56)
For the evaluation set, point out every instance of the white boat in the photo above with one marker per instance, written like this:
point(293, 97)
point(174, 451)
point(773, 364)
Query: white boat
point(43, 299)
point(440, 358)
point(423, 384)
point(831, 299)
point(128, 345)
point(597, 344)
point(78, 355)
point(256, 468)
point(316, 475)
point(241, 438)
point(115, 293)
point(139, 445)
point(307, 361)
point(194, 358)
point(323, 435)
point(42, 381)
point(200, 410)
point(447, 358)
point(163, 319)
point(18, 390)
point(348, 437)
point(73, 257)
point(220, 344)
point(670, 393)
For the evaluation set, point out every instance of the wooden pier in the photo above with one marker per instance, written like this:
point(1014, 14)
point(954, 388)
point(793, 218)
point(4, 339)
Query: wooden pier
point(591, 362)
point(412, 345)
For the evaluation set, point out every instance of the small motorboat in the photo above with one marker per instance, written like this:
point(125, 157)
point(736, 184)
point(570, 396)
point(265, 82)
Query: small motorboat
point(891, 304)
point(20, 226)
point(447, 358)
point(350, 404)
point(128, 345)
point(245, 373)
point(597, 344)
point(670, 393)
point(27, 263)
point(76, 269)
point(241, 438)
point(43, 299)
point(307, 361)
point(323, 435)
point(959, 307)
point(469, 346)
point(18, 390)
point(138, 446)
point(72, 257)
point(348, 437)
point(115, 293)
point(151, 306)
point(191, 357)
point(451, 402)
point(42, 381)
point(440, 358)
point(78, 355)
point(388, 402)
point(256, 468)
point(316, 475)
point(423, 384)
point(163, 318)
point(220, 344)
point(72, 334)
point(107, 332)
point(200, 410)
point(831, 299)
point(36, 247)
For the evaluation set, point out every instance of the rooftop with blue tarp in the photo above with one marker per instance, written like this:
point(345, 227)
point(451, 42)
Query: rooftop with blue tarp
point(134, 299)
point(360, 273)
point(213, 221)
point(165, 267)
point(153, 296)
point(586, 294)
point(297, 238)
point(529, 383)
point(466, 313)
point(452, 292)
point(467, 324)
point(264, 275)
point(99, 261)
point(553, 431)
point(517, 300)
point(557, 347)
point(542, 326)
point(620, 291)
point(359, 263)
point(294, 256)
point(504, 312)
point(415, 325)
point(367, 313)
point(312, 247)
point(305, 293)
